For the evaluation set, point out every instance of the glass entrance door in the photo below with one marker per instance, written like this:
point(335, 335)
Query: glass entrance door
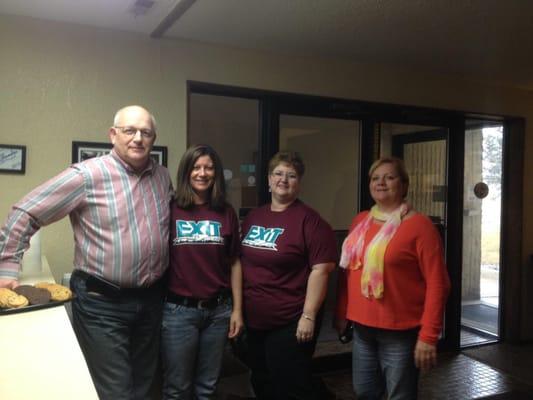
point(449, 159)
point(480, 295)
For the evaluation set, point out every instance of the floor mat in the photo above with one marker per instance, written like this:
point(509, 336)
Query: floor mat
point(480, 316)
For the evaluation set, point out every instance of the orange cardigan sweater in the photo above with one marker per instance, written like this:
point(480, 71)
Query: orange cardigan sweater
point(416, 282)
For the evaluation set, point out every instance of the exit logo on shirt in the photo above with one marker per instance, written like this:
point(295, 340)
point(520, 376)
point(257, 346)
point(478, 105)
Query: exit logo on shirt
point(262, 238)
point(197, 232)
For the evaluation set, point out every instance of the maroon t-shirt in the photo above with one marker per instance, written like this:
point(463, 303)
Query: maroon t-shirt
point(277, 252)
point(203, 243)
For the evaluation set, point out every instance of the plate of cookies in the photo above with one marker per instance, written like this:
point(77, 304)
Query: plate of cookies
point(33, 297)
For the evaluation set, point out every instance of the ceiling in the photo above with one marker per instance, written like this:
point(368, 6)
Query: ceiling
point(483, 40)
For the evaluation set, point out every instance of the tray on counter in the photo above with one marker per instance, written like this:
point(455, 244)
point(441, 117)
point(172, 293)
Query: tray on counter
point(33, 307)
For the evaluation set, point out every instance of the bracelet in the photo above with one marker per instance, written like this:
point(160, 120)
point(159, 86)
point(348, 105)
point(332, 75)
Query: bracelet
point(305, 316)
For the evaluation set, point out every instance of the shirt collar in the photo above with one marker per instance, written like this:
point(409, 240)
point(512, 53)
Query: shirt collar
point(149, 167)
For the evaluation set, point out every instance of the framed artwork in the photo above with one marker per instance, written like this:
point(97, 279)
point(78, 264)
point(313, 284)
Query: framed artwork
point(159, 155)
point(12, 159)
point(82, 151)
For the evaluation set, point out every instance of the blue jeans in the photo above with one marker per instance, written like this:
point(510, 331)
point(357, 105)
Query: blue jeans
point(193, 342)
point(383, 361)
point(119, 338)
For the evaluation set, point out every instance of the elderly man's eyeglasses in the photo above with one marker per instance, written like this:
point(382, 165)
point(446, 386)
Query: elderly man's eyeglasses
point(131, 131)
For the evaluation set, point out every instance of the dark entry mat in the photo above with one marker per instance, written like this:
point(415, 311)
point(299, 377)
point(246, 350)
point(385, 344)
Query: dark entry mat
point(481, 316)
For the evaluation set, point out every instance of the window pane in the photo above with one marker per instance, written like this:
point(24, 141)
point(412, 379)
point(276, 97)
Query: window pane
point(230, 125)
point(330, 151)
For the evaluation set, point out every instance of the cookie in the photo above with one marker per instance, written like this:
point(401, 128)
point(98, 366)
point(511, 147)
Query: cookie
point(33, 294)
point(58, 292)
point(5, 294)
point(18, 301)
point(43, 285)
point(10, 299)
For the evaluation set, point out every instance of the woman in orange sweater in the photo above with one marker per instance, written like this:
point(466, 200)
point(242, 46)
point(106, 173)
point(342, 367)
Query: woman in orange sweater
point(394, 289)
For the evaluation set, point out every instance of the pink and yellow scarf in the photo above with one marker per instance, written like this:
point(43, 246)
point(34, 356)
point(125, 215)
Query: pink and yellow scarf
point(372, 260)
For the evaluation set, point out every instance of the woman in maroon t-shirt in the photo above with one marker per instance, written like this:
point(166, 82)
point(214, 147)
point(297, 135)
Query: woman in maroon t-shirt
point(203, 305)
point(287, 253)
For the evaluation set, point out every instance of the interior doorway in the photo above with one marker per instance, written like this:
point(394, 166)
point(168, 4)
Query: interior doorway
point(424, 150)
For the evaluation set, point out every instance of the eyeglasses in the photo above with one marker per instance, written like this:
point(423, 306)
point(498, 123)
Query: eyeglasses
point(131, 131)
point(288, 175)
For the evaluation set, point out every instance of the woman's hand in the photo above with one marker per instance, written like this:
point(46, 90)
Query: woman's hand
point(305, 329)
point(236, 324)
point(425, 356)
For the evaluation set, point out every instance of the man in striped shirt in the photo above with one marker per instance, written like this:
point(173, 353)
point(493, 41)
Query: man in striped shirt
point(118, 206)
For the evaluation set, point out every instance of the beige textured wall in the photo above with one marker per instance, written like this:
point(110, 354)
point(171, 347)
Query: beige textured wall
point(60, 83)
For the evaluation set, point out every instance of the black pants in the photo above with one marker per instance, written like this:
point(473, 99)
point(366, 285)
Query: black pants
point(281, 367)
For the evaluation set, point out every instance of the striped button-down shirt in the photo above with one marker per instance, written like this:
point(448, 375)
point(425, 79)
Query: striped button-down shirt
point(120, 220)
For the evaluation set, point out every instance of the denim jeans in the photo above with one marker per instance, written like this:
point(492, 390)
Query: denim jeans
point(192, 347)
point(119, 339)
point(383, 361)
point(281, 367)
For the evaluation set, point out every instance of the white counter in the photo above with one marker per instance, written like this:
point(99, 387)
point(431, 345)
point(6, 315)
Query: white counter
point(40, 357)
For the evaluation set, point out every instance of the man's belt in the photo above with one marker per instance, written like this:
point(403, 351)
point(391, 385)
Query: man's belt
point(106, 288)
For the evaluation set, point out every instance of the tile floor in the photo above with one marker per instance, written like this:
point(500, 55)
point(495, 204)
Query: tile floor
point(492, 372)
point(460, 377)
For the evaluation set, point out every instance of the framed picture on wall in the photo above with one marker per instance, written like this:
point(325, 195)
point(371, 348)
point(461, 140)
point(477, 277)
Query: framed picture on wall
point(159, 155)
point(82, 151)
point(12, 159)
